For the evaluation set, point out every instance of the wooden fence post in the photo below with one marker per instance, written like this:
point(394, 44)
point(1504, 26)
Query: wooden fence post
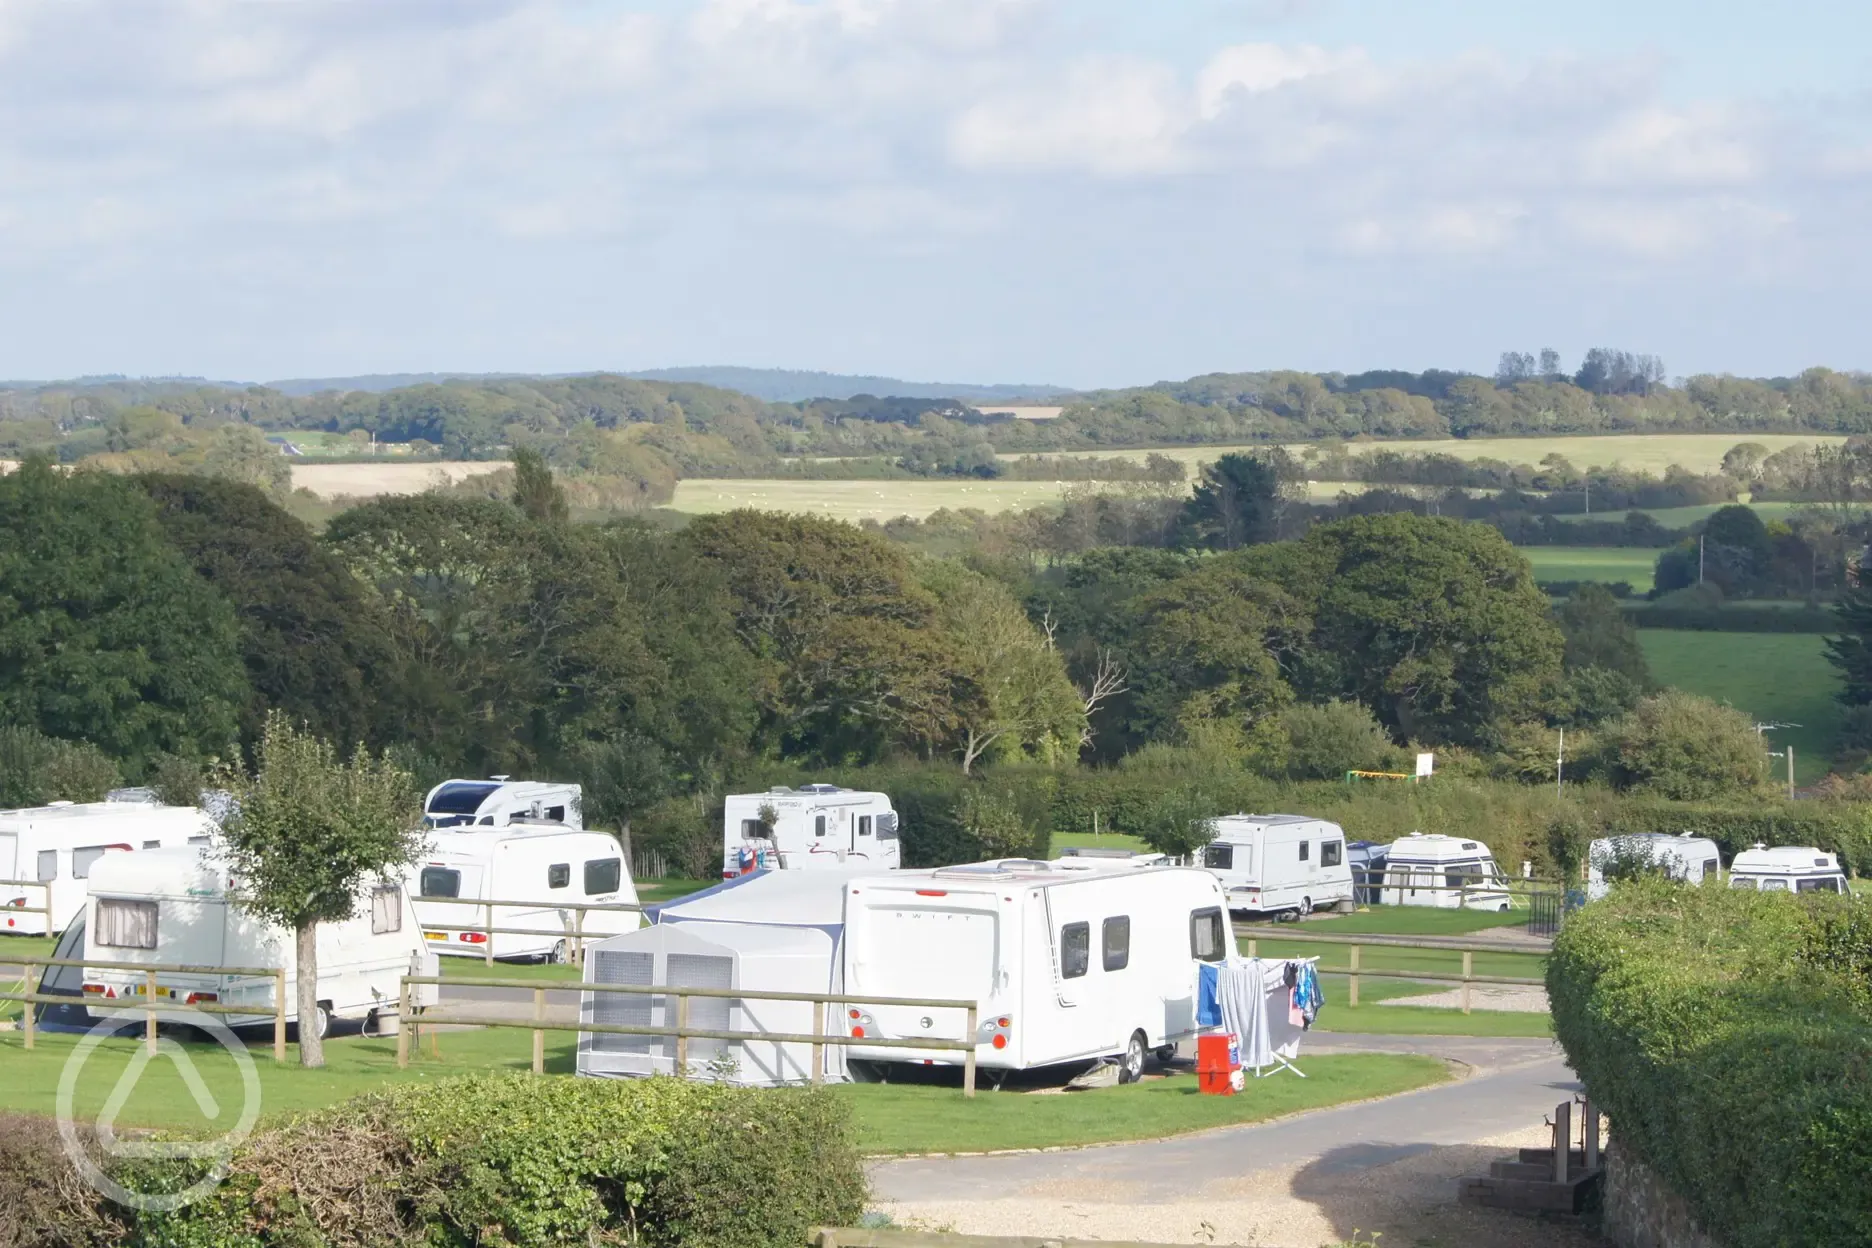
point(149, 1011)
point(682, 1037)
point(1468, 969)
point(1352, 991)
point(818, 1048)
point(489, 911)
point(968, 1058)
point(1253, 945)
point(1589, 1130)
point(1563, 1139)
point(405, 1021)
point(539, 1036)
point(26, 1007)
point(279, 1014)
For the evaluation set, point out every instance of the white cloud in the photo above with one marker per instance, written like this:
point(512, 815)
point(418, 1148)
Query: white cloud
point(1252, 68)
point(1113, 117)
point(1700, 147)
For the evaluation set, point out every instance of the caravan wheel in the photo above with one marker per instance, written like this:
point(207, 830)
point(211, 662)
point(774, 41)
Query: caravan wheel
point(1131, 1065)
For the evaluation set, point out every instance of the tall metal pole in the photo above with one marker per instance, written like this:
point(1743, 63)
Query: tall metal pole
point(1790, 754)
point(1559, 767)
point(1699, 558)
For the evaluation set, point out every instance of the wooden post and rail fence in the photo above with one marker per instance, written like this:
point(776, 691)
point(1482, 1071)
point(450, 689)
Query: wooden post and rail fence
point(1354, 971)
point(19, 905)
point(155, 997)
point(819, 1038)
point(572, 930)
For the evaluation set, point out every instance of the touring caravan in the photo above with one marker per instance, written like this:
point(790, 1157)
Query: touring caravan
point(813, 827)
point(1692, 859)
point(1069, 960)
point(1787, 869)
point(1448, 872)
point(60, 844)
point(172, 906)
point(1288, 865)
point(547, 867)
point(778, 931)
point(497, 802)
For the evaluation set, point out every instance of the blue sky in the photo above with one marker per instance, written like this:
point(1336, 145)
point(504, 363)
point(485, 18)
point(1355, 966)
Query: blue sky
point(1087, 192)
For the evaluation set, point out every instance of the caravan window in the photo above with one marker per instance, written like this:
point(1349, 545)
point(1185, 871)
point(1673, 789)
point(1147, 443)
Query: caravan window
point(864, 825)
point(1116, 936)
point(602, 875)
point(818, 825)
point(1075, 949)
point(887, 826)
point(48, 865)
point(559, 875)
point(1207, 938)
point(556, 813)
point(1306, 847)
point(1220, 857)
point(1741, 881)
point(198, 840)
point(440, 882)
point(126, 924)
point(152, 844)
point(1332, 853)
point(83, 858)
point(386, 909)
point(1828, 884)
point(751, 830)
point(1774, 886)
point(1710, 867)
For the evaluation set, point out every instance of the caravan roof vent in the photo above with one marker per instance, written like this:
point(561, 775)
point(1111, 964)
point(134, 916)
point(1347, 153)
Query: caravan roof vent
point(820, 788)
point(502, 779)
point(975, 871)
point(141, 795)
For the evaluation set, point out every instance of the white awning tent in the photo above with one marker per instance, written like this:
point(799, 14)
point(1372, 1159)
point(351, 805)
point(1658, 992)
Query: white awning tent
point(779, 931)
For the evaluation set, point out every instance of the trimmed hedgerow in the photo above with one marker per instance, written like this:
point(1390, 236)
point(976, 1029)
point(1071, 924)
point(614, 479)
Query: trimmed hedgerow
point(1728, 1038)
point(498, 1160)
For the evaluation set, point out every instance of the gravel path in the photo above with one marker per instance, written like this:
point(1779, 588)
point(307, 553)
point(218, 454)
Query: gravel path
point(1508, 997)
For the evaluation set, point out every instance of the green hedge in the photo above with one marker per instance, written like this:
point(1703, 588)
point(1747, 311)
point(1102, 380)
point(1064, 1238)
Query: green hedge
point(1844, 828)
point(507, 1160)
point(1728, 1037)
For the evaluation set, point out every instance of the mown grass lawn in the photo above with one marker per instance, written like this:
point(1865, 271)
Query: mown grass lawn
point(1103, 840)
point(1397, 921)
point(907, 1117)
point(1593, 563)
point(1774, 677)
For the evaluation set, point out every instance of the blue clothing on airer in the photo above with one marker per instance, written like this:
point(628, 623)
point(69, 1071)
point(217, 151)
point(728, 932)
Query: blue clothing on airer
point(1307, 997)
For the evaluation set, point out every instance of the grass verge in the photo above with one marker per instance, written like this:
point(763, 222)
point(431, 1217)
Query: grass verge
point(1775, 677)
point(1400, 921)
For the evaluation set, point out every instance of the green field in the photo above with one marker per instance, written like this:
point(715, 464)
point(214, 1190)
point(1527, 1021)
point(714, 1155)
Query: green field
point(1775, 677)
point(862, 500)
point(908, 1117)
point(1633, 565)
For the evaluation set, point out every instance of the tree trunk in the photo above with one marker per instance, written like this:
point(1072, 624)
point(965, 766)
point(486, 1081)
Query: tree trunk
point(311, 1045)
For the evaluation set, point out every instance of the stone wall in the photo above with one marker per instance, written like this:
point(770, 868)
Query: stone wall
point(1641, 1212)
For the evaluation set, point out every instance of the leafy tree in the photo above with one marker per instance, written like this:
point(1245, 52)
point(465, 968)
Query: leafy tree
point(1589, 695)
point(1179, 823)
point(106, 634)
point(1676, 745)
point(1326, 741)
point(1599, 634)
point(1019, 701)
point(1737, 550)
point(315, 644)
point(1744, 460)
point(1850, 650)
point(36, 769)
point(241, 453)
point(535, 493)
point(310, 835)
point(993, 820)
point(1238, 501)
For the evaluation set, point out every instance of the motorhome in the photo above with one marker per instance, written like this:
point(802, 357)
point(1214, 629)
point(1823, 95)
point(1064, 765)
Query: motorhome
point(58, 845)
point(1068, 961)
point(548, 868)
point(498, 801)
point(176, 907)
point(1449, 872)
point(812, 827)
point(777, 931)
point(1289, 865)
point(1691, 859)
point(1787, 869)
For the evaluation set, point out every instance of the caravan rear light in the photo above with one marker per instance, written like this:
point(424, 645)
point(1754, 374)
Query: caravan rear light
point(857, 1033)
point(197, 998)
point(999, 1041)
point(18, 903)
point(474, 938)
point(1004, 1023)
point(99, 990)
point(857, 1014)
point(932, 892)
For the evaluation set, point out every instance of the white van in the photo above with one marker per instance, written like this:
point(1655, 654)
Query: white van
point(545, 866)
point(1787, 869)
point(1691, 859)
point(173, 906)
point(1288, 865)
point(1448, 872)
point(817, 825)
point(498, 801)
point(1069, 960)
point(58, 845)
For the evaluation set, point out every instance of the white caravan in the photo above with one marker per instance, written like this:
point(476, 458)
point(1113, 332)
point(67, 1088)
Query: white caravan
point(1069, 961)
point(173, 906)
point(1691, 859)
point(548, 867)
point(58, 845)
point(1787, 868)
point(779, 931)
point(815, 826)
point(497, 802)
point(1448, 872)
point(1288, 865)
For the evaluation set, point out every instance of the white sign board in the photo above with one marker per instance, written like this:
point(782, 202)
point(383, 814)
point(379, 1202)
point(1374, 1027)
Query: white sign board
point(1424, 762)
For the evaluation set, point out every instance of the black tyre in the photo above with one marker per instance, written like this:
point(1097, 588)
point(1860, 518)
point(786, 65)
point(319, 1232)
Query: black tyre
point(1131, 1062)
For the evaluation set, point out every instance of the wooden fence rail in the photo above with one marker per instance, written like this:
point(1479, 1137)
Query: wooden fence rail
point(574, 932)
point(818, 1038)
point(153, 994)
point(45, 888)
point(1354, 971)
